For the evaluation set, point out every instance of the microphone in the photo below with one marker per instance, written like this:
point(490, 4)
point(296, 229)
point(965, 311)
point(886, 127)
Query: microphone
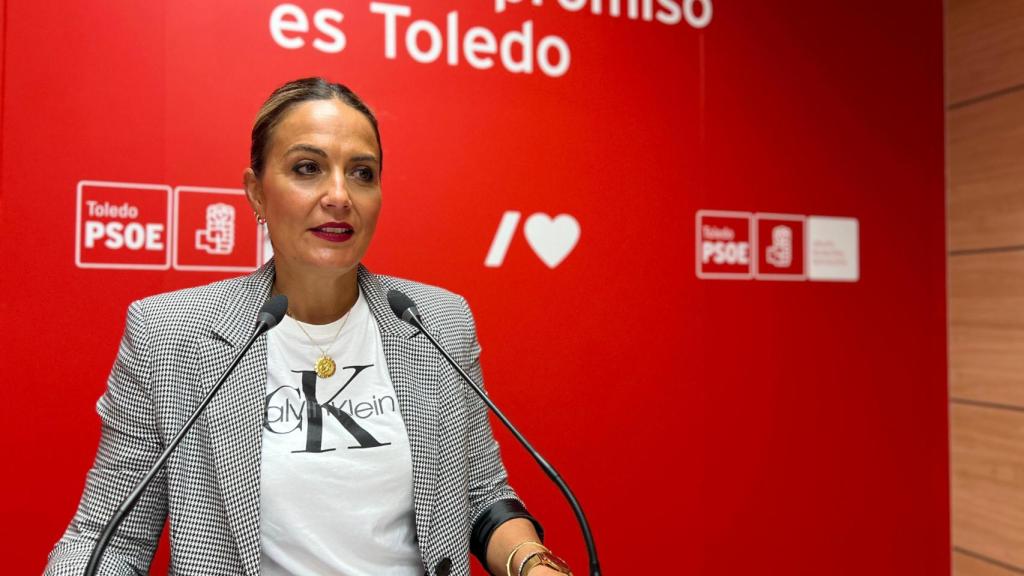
point(270, 314)
point(405, 308)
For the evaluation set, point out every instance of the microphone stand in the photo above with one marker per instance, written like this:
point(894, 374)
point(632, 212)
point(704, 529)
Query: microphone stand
point(411, 315)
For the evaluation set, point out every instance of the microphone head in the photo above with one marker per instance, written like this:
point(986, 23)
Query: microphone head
point(273, 311)
point(403, 307)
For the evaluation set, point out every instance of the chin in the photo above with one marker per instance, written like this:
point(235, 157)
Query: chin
point(334, 264)
point(340, 267)
point(322, 265)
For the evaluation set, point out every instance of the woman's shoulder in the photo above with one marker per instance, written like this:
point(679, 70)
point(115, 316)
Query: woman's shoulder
point(421, 291)
point(195, 298)
point(445, 313)
point(434, 302)
point(197, 307)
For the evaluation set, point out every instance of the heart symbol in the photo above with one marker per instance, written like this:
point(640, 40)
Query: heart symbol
point(552, 239)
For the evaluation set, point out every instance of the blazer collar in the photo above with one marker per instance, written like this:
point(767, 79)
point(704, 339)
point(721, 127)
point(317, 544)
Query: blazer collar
point(236, 317)
point(376, 297)
point(238, 311)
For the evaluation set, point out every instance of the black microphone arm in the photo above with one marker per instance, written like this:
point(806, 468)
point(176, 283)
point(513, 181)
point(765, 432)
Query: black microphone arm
point(269, 316)
point(405, 308)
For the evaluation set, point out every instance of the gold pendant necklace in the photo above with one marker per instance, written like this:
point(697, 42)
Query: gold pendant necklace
point(325, 366)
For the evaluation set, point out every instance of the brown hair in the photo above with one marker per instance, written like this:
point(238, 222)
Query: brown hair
point(286, 96)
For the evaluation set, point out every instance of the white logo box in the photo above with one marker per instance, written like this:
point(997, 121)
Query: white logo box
point(751, 236)
point(178, 191)
point(833, 249)
point(756, 231)
point(165, 265)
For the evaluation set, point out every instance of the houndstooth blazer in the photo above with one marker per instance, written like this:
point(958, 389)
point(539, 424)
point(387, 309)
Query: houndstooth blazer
point(174, 348)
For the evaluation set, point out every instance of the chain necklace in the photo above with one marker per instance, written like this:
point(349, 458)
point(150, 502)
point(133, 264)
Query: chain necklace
point(325, 365)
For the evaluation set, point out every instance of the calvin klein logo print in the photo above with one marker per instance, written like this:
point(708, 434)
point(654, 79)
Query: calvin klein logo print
point(279, 411)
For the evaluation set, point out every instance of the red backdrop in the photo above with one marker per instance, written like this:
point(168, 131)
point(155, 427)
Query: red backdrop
point(709, 426)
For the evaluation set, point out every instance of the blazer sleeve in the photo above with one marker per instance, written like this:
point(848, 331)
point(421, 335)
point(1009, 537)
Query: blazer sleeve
point(491, 500)
point(129, 443)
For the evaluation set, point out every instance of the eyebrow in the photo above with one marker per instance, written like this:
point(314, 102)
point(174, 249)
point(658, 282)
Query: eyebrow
point(363, 158)
point(314, 150)
point(306, 148)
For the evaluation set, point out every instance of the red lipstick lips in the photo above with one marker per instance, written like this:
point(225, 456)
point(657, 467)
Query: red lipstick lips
point(334, 231)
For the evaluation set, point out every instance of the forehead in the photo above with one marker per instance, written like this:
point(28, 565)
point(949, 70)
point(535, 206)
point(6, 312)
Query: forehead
point(323, 122)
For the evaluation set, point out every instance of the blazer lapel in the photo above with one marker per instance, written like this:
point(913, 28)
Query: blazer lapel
point(414, 372)
point(234, 416)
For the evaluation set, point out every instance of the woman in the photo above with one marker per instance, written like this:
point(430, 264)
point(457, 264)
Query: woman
point(341, 444)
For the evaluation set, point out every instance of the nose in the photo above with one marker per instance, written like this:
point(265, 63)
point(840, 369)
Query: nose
point(335, 195)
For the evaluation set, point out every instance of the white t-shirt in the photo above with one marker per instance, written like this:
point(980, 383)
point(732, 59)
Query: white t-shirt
point(335, 481)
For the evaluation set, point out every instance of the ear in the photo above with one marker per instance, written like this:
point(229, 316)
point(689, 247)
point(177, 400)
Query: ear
point(254, 191)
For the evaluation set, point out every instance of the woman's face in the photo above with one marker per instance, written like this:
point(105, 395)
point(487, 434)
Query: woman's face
point(320, 189)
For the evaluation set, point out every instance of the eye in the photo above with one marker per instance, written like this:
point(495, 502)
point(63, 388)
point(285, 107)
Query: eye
point(306, 168)
point(364, 173)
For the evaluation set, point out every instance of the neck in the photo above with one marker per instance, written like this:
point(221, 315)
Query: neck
point(317, 298)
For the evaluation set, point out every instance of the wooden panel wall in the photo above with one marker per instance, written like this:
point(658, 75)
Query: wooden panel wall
point(985, 157)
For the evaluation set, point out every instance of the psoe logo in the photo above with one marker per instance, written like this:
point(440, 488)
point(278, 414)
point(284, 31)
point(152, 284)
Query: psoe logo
point(781, 241)
point(218, 237)
point(765, 246)
point(152, 227)
point(122, 225)
point(210, 235)
point(724, 244)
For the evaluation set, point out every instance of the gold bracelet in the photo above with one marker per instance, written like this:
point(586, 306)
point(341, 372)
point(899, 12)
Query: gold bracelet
point(508, 564)
point(544, 559)
point(527, 559)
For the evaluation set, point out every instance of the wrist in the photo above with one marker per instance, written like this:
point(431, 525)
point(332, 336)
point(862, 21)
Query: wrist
point(519, 554)
point(543, 562)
